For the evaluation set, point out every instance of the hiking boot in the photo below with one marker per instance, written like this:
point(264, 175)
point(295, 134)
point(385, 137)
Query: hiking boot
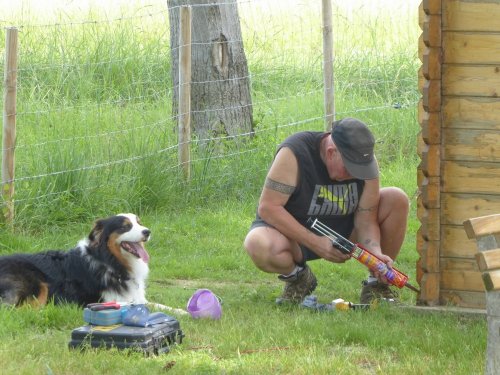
point(377, 291)
point(298, 286)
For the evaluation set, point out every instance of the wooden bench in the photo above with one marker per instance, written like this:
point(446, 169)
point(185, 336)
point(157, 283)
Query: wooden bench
point(486, 231)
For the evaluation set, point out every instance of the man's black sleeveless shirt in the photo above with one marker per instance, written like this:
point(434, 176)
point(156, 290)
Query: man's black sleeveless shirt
point(316, 195)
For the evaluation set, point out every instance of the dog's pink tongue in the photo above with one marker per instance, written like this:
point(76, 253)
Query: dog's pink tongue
point(140, 251)
point(143, 254)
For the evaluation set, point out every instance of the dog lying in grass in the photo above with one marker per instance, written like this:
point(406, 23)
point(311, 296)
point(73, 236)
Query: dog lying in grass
point(110, 264)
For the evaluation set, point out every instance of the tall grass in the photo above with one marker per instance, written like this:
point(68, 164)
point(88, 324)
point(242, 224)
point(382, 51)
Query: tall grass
point(96, 132)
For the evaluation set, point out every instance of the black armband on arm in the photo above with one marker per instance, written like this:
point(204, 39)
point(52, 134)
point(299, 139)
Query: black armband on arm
point(279, 187)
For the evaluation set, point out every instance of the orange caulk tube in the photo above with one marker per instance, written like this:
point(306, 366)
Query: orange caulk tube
point(364, 256)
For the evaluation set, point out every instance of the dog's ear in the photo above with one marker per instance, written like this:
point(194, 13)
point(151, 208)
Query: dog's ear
point(96, 232)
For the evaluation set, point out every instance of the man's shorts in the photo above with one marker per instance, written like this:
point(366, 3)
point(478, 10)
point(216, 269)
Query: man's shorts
point(307, 253)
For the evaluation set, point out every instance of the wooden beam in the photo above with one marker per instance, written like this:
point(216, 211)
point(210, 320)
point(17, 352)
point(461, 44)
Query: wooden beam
point(482, 226)
point(471, 113)
point(429, 260)
point(470, 177)
point(491, 280)
point(488, 259)
point(467, 15)
point(421, 47)
point(431, 95)
point(431, 192)
point(471, 144)
point(432, 62)
point(470, 48)
point(474, 300)
point(432, 30)
point(431, 6)
point(462, 280)
point(430, 219)
point(431, 160)
point(467, 80)
point(454, 242)
point(421, 15)
point(458, 207)
point(430, 124)
point(421, 81)
point(429, 289)
point(458, 264)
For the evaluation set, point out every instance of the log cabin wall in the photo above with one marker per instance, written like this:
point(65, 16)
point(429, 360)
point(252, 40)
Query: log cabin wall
point(459, 144)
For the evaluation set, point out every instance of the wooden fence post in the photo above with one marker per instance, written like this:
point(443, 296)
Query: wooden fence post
point(486, 231)
point(329, 98)
point(185, 90)
point(9, 123)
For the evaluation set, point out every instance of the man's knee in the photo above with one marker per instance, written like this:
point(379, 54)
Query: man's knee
point(396, 198)
point(257, 243)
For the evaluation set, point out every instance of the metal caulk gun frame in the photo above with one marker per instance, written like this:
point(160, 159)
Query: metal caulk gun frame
point(363, 255)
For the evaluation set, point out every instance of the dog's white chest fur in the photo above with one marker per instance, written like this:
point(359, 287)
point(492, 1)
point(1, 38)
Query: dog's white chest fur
point(136, 286)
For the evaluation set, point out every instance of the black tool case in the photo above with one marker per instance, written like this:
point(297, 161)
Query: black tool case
point(151, 340)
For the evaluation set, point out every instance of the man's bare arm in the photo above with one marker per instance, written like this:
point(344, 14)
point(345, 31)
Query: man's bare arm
point(279, 186)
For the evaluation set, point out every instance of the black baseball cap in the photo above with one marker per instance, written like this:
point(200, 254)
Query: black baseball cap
point(356, 142)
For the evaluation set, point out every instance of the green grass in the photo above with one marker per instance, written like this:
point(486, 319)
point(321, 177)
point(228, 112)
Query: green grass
point(202, 248)
point(95, 137)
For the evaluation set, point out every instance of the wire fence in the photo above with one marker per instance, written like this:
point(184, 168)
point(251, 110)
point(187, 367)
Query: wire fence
point(94, 118)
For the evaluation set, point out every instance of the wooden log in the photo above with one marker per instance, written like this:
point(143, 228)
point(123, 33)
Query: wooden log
point(454, 242)
point(420, 241)
point(430, 124)
point(432, 30)
point(431, 95)
point(421, 48)
point(419, 272)
point(421, 81)
point(431, 160)
point(471, 113)
point(421, 16)
point(471, 48)
point(431, 6)
point(470, 177)
point(429, 260)
point(420, 178)
point(471, 144)
point(421, 145)
point(432, 63)
point(431, 192)
point(431, 128)
point(421, 112)
point(462, 280)
point(466, 299)
point(467, 15)
point(456, 208)
point(459, 264)
point(430, 220)
point(466, 80)
point(488, 259)
point(429, 289)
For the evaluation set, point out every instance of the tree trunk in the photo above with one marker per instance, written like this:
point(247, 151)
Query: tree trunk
point(220, 93)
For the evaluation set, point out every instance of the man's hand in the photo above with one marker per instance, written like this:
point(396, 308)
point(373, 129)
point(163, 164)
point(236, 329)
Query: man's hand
point(388, 261)
point(326, 250)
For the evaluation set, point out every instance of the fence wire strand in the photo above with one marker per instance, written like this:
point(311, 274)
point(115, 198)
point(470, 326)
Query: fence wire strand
point(96, 109)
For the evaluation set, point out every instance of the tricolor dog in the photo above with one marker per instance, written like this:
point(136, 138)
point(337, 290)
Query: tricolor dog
point(111, 264)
